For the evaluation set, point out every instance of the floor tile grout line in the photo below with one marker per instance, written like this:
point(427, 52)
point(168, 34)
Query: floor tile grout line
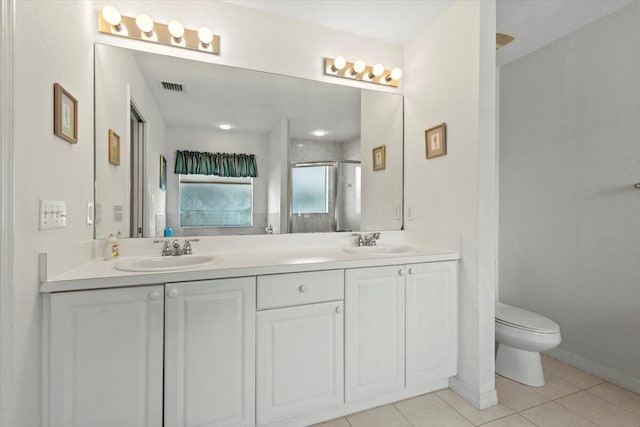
point(598, 397)
point(451, 406)
point(401, 413)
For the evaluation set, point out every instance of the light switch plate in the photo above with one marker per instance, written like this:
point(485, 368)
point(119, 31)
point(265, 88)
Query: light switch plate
point(411, 213)
point(53, 214)
point(90, 213)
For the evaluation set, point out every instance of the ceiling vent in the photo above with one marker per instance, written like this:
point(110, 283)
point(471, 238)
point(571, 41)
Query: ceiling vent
point(175, 87)
point(503, 39)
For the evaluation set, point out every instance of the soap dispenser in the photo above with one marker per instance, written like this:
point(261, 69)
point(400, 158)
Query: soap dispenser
point(111, 247)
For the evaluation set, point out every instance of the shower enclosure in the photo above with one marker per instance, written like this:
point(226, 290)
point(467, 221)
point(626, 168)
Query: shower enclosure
point(324, 196)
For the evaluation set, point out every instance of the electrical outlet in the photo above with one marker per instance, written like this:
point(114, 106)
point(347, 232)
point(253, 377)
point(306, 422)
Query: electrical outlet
point(53, 214)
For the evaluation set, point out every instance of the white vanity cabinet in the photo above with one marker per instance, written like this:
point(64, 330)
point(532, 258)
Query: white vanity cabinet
point(397, 315)
point(374, 337)
point(300, 357)
point(431, 322)
point(209, 376)
point(105, 357)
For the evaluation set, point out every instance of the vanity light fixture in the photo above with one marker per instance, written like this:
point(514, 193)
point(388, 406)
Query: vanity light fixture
point(143, 28)
point(339, 63)
point(145, 24)
point(113, 17)
point(176, 29)
point(359, 70)
point(358, 67)
point(206, 36)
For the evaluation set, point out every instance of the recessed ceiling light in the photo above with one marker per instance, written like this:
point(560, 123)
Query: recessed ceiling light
point(225, 126)
point(319, 132)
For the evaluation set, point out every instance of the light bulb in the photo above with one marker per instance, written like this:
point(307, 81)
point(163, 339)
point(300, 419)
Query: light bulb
point(112, 16)
point(377, 71)
point(177, 30)
point(358, 67)
point(225, 126)
point(396, 74)
point(319, 132)
point(339, 63)
point(145, 23)
point(206, 36)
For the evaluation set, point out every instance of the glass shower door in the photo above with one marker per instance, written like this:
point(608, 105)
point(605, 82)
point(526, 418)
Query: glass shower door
point(312, 198)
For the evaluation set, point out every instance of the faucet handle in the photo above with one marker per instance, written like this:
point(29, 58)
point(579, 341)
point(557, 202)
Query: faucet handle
point(166, 248)
point(359, 240)
point(186, 249)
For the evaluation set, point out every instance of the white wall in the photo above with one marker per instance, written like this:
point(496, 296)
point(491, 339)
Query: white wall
point(118, 83)
point(569, 155)
point(447, 80)
point(381, 124)
point(216, 141)
point(52, 44)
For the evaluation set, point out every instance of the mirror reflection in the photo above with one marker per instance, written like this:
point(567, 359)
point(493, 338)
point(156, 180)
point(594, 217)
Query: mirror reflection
point(206, 149)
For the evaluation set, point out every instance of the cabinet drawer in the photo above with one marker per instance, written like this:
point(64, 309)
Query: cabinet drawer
point(282, 290)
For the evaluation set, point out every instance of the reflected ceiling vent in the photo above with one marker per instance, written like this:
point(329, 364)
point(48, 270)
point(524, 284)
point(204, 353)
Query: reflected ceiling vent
point(176, 87)
point(503, 39)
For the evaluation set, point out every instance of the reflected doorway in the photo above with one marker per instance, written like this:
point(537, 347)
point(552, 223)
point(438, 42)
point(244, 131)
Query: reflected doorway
point(137, 172)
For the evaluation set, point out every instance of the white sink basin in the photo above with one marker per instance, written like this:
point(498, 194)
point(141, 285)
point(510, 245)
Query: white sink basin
point(164, 263)
point(381, 250)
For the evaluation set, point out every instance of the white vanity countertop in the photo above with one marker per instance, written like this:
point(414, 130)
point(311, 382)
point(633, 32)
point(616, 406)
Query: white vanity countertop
point(243, 256)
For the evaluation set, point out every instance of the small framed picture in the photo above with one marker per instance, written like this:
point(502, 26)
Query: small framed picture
point(65, 115)
point(114, 148)
point(436, 141)
point(379, 158)
point(163, 173)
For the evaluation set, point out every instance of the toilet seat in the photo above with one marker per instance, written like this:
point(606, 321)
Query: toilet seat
point(526, 320)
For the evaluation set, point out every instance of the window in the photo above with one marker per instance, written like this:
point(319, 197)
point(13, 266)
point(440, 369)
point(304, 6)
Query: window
point(309, 189)
point(215, 202)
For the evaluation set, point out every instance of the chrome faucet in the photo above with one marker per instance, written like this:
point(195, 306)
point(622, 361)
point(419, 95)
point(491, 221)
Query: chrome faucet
point(174, 249)
point(166, 247)
point(186, 249)
point(177, 250)
point(367, 240)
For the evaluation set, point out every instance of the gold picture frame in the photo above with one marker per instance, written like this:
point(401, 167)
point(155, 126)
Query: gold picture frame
point(114, 148)
point(65, 115)
point(379, 158)
point(436, 141)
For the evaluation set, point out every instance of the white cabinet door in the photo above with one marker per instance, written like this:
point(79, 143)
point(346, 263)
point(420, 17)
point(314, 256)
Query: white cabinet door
point(300, 360)
point(209, 353)
point(374, 331)
point(431, 321)
point(105, 357)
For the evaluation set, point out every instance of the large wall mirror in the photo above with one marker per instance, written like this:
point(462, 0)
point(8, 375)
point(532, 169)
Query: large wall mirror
point(312, 145)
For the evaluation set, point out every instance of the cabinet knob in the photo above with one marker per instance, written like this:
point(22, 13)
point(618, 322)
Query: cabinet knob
point(401, 272)
point(303, 288)
point(154, 295)
point(172, 293)
point(410, 270)
point(339, 309)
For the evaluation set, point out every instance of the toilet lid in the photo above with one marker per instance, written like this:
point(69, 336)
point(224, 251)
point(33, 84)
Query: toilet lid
point(523, 319)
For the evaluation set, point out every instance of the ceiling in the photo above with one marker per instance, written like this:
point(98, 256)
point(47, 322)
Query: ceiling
point(253, 101)
point(535, 23)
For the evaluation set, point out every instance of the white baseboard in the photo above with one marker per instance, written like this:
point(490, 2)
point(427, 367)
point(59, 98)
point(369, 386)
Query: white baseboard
point(468, 393)
point(596, 369)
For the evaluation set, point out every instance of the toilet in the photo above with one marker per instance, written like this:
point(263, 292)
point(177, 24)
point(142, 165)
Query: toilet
point(521, 336)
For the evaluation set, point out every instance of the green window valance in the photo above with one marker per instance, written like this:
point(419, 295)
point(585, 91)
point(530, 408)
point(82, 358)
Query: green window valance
point(220, 164)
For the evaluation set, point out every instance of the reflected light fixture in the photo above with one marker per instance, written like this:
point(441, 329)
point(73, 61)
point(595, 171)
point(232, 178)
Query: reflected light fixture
point(319, 132)
point(145, 23)
point(113, 17)
point(359, 70)
point(143, 28)
point(224, 126)
point(176, 29)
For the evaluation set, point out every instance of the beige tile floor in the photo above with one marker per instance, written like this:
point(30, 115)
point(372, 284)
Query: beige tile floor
point(569, 398)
